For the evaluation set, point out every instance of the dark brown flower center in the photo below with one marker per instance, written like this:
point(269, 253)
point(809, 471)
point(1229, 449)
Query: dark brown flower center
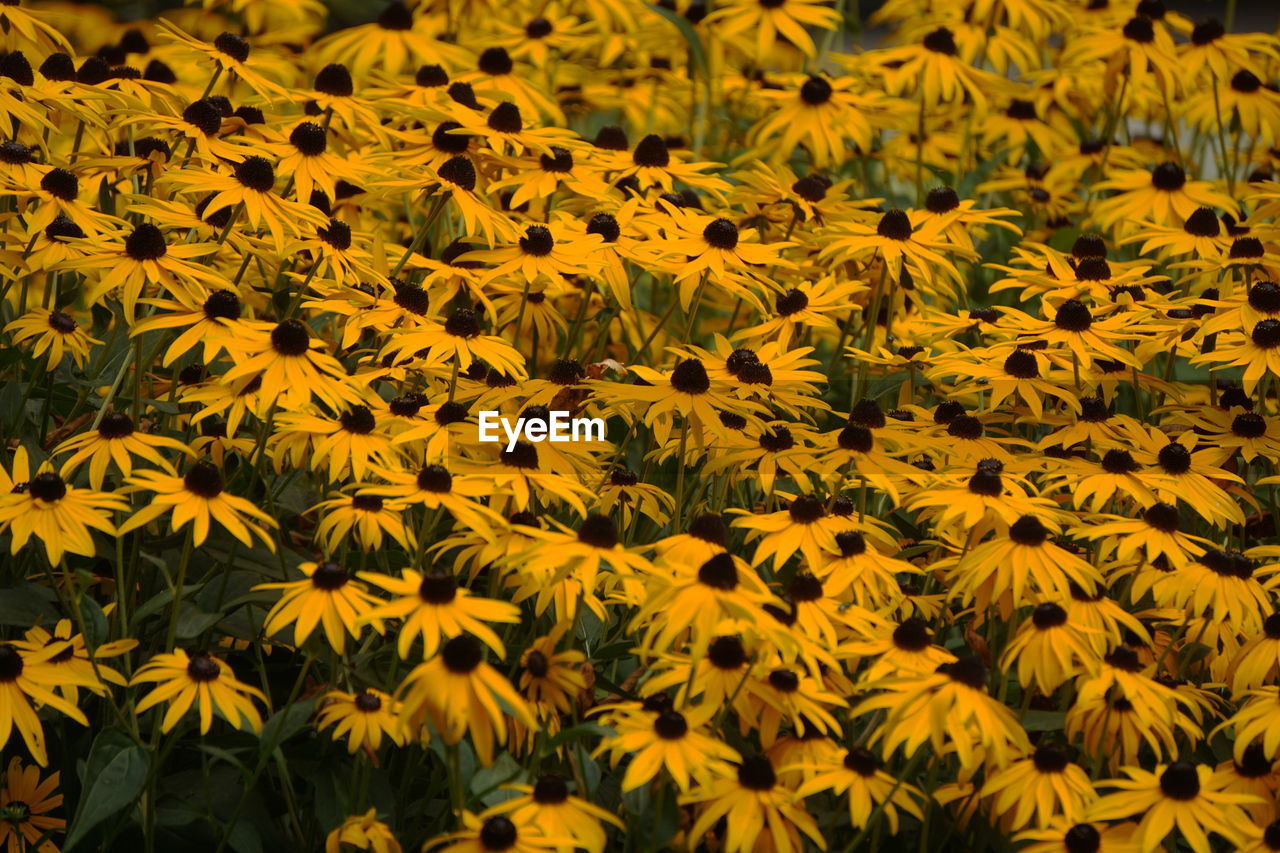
point(462, 654)
point(756, 773)
point(720, 572)
point(1180, 781)
point(291, 338)
point(203, 668)
point(1028, 530)
point(329, 576)
point(11, 665)
point(48, 487)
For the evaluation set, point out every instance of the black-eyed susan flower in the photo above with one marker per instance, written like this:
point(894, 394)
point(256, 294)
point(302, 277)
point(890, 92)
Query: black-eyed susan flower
point(327, 598)
point(1181, 795)
point(761, 804)
point(557, 814)
point(956, 696)
point(26, 803)
point(458, 693)
point(27, 678)
point(1063, 836)
point(363, 832)
point(859, 774)
point(658, 737)
point(1049, 649)
point(551, 677)
point(199, 497)
point(85, 669)
point(53, 335)
point(481, 834)
point(202, 681)
point(434, 606)
point(365, 518)
point(364, 719)
point(62, 516)
point(114, 443)
point(291, 365)
point(1045, 786)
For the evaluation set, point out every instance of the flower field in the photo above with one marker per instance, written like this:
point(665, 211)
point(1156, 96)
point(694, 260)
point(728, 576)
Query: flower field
point(927, 493)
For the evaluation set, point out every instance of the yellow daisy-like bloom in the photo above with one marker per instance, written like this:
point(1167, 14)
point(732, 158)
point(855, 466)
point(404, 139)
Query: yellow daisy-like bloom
point(366, 518)
point(551, 677)
point(933, 71)
point(249, 187)
point(86, 668)
point(553, 251)
point(25, 805)
point(292, 368)
point(1019, 563)
point(197, 498)
point(1050, 649)
point(217, 319)
point(787, 19)
point(1256, 720)
point(435, 606)
point(716, 245)
point(1256, 349)
point(232, 53)
point(1180, 795)
point(757, 805)
point(660, 737)
point(328, 598)
point(565, 566)
point(363, 832)
point(551, 810)
point(859, 774)
point(955, 695)
point(1258, 660)
point(436, 488)
point(459, 693)
point(364, 718)
point(201, 680)
point(826, 116)
point(1163, 195)
point(457, 341)
point(306, 160)
point(60, 515)
point(30, 677)
point(1063, 836)
point(146, 259)
point(352, 444)
point(494, 832)
point(901, 651)
point(1040, 788)
point(53, 332)
point(723, 589)
point(899, 244)
point(116, 440)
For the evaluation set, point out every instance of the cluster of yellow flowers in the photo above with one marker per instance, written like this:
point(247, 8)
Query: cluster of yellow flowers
point(934, 486)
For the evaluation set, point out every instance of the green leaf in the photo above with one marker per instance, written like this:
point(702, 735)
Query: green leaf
point(579, 731)
point(1043, 721)
point(95, 622)
point(287, 722)
point(114, 778)
point(244, 838)
point(26, 604)
point(697, 52)
point(487, 782)
point(968, 183)
point(192, 622)
point(160, 602)
point(1064, 238)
